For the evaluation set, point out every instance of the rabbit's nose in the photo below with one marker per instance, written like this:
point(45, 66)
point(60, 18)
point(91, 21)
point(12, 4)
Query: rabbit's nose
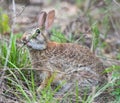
point(24, 39)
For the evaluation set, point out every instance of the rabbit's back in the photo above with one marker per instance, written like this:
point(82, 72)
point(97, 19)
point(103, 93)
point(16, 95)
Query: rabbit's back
point(76, 61)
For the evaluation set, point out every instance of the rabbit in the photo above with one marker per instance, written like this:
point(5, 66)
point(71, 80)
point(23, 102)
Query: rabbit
point(66, 62)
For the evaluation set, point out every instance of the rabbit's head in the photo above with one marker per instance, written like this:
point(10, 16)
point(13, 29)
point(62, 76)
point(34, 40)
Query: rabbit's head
point(37, 38)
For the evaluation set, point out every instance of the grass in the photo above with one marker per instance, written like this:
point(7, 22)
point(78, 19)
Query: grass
point(95, 38)
point(4, 22)
point(17, 57)
point(115, 70)
point(57, 36)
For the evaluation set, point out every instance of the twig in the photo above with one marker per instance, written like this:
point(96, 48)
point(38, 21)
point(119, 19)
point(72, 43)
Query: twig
point(6, 40)
point(42, 69)
point(22, 10)
point(114, 26)
point(38, 69)
point(112, 61)
point(9, 97)
point(116, 3)
point(87, 5)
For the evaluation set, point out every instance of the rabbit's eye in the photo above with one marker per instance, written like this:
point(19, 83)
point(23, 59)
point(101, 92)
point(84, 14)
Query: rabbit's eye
point(38, 31)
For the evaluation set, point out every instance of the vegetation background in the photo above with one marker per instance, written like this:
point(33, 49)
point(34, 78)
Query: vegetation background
point(93, 23)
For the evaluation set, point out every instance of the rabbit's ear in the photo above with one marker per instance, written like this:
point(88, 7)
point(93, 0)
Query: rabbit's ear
point(49, 19)
point(41, 19)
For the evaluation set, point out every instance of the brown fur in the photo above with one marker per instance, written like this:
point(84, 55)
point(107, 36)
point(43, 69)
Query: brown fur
point(70, 58)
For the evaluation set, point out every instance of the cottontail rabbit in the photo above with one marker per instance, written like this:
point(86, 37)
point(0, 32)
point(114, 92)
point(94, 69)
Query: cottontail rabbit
point(70, 62)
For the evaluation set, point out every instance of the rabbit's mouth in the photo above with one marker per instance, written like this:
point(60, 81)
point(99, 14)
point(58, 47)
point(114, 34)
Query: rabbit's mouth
point(35, 45)
point(25, 43)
